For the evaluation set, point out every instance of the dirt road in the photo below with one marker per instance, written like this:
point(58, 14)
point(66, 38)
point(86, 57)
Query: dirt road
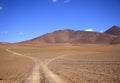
point(40, 72)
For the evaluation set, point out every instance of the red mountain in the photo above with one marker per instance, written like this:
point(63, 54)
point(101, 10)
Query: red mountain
point(71, 36)
point(114, 30)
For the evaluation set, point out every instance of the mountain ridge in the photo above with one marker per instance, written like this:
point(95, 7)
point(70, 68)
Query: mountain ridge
point(114, 30)
point(79, 36)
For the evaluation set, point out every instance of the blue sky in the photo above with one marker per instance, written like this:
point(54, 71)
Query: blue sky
point(25, 19)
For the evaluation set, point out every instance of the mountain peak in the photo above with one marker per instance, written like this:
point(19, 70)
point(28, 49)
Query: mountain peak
point(79, 36)
point(114, 30)
point(63, 30)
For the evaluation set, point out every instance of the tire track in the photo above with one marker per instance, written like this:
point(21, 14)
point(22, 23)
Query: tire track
point(40, 72)
point(35, 76)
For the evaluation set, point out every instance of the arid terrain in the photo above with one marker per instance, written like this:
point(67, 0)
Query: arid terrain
point(63, 56)
point(13, 68)
point(59, 41)
point(60, 63)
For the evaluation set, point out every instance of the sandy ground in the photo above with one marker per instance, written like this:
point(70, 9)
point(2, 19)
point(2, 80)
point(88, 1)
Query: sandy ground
point(99, 66)
point(40, 77)
point(64, 63)
point(13, 69)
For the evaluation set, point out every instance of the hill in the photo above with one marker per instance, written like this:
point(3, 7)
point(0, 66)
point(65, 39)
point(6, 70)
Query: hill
point(111, 36)
point(114, 30)
point(2, 43)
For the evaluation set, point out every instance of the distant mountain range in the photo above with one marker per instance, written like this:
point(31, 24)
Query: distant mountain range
point(111, 36)
point(4, 43)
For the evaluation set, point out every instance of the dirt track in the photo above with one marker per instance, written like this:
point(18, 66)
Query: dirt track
point(40, 72)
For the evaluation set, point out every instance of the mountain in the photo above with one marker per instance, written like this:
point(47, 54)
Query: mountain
point(116, 40)
point(114, 30)
point(110, 36)
point(1, 43)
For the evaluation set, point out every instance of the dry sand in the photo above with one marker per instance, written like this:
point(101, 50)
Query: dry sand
point(36, 76)
point(61, 63)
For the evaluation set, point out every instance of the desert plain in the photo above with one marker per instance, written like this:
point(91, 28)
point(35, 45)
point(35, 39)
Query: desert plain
point(59, 63)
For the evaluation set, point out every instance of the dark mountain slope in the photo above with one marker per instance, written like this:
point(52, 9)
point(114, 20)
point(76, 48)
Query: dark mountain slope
point(114, 30)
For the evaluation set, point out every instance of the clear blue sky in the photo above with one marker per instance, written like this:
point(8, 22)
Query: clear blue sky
point(25, 19)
